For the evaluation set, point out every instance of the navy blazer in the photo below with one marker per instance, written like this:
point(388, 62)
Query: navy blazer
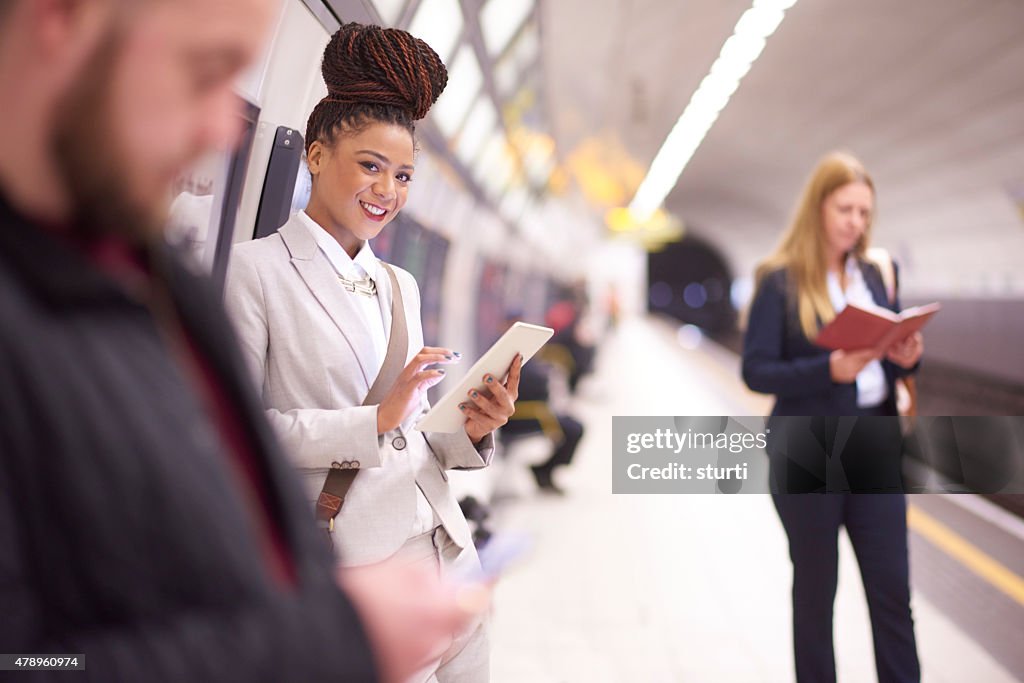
point(779, 359)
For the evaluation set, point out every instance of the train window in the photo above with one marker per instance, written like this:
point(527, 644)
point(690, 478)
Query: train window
point(479, 124)
point(205, 201)
point(192, 210)
point(303, 188)
point(464, 81)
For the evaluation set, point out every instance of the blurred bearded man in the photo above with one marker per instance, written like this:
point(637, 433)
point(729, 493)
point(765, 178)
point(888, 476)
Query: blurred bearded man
point(148, 522)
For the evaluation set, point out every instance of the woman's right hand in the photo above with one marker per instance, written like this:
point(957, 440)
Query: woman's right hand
point(844, 366)
point(410, 613)
point(406, 393)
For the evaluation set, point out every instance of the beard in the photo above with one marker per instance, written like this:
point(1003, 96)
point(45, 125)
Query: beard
point(84, 147)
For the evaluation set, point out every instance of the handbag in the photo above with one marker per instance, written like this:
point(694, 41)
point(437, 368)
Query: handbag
point(906, 387)
point(341, 475)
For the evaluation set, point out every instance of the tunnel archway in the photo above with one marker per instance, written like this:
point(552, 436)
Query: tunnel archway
point(690, 281)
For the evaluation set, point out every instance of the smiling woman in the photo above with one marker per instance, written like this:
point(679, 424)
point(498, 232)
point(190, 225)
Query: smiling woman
point(334, 336)
point(360, 144)
point(368, 174)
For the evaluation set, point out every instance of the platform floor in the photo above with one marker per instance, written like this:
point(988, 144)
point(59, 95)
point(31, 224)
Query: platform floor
point(696, 588)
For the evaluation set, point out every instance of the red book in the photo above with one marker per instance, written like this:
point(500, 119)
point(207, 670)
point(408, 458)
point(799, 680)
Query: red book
point(858, 328)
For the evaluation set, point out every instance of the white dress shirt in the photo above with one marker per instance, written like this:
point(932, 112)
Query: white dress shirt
point(366, 264)
point(871, 386)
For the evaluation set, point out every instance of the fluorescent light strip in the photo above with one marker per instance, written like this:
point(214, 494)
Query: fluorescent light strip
point(738, 54)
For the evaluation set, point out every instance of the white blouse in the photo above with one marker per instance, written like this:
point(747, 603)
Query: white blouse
point(871, 386)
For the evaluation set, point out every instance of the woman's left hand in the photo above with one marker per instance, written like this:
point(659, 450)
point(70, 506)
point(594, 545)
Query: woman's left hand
point(907, 352)
point(489, 409)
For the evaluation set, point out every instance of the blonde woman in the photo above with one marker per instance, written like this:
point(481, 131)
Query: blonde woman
point(819, 267)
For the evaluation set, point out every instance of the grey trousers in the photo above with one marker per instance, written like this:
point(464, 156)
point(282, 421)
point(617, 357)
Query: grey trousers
point(467, 660)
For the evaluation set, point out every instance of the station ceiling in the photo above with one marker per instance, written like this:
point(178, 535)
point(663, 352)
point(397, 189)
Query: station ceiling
point(575, 97)
point(930, 94)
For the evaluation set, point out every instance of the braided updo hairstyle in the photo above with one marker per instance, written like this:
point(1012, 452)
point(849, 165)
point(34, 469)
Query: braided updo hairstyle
point(374, 75)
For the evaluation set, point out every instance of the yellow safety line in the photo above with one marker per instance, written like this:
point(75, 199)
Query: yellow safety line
point(967, 554)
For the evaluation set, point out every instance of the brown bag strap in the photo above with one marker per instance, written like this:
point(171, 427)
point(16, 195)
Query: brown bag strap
point(340, 477)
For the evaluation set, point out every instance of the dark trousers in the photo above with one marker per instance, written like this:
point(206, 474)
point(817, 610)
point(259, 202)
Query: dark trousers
point(573, 431)
point(562, 455)
point(877, 527)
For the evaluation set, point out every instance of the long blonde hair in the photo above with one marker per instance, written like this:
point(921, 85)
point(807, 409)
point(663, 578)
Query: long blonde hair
point(802, 248)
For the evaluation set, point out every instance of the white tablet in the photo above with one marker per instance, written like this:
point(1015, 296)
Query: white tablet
point(523, 338)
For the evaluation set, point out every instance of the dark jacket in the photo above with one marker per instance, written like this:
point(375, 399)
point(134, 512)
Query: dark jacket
point(778, 359)
point(124, 533)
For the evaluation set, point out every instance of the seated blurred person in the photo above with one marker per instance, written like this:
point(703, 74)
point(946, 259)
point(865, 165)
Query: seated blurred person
point(535, 414)
point(572, 346)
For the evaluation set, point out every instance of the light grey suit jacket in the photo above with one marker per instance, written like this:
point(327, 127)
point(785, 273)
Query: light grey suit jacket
point(311, 354)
